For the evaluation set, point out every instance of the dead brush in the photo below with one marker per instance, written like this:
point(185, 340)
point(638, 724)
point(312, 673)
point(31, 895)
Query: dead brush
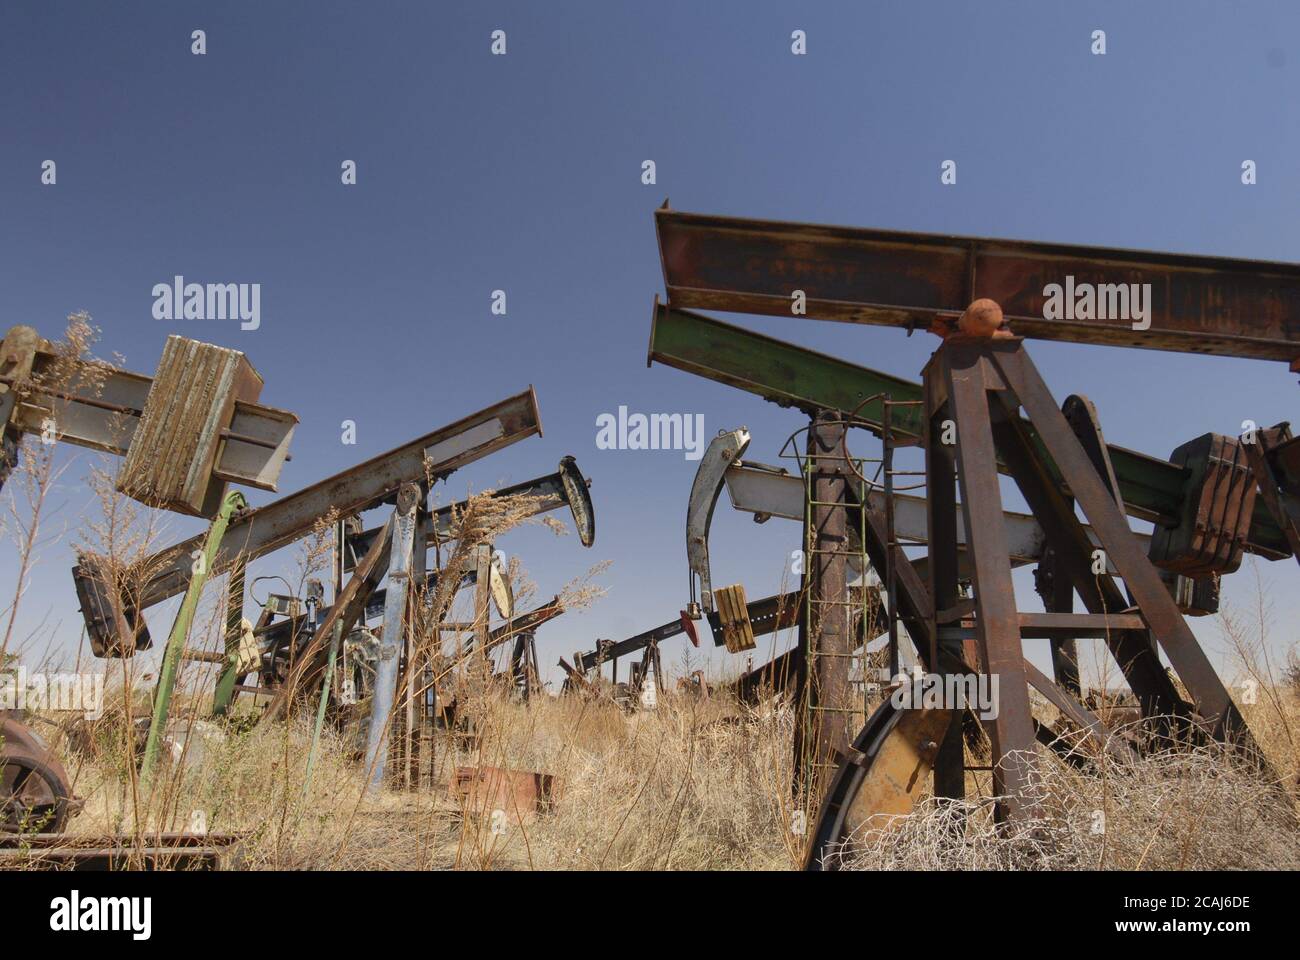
point(251, 783)
point(665, 789)
point(1197, 809)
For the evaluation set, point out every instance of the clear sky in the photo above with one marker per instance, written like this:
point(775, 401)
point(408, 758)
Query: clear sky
point(523, 173)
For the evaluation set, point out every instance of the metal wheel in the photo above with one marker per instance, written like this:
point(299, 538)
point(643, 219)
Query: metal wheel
point(884, 775)
point(33, 793)
point(34, 790)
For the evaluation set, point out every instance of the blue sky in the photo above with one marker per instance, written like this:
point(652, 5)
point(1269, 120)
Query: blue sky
point(479, 172)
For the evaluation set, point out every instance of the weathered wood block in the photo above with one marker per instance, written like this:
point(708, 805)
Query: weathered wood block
point(191, 404)
point(733, 618)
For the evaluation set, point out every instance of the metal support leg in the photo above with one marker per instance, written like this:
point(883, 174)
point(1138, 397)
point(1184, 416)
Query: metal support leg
point(162, 698)
point(997, 624)
point(1057, 593)
point(415, 658)
point(826, 634)
point(225, 692)
point(941, 507)
point(386, 669)
point(482, 595)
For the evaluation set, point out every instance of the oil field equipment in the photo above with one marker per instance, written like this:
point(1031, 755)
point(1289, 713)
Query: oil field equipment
point(983, 410)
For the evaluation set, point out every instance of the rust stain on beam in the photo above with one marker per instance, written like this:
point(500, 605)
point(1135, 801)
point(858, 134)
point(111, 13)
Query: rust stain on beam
point(1198, 304)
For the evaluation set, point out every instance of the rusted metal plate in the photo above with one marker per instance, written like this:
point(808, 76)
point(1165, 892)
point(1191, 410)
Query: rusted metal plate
point(113, 624)
point(1198, 304)
point(520, 795)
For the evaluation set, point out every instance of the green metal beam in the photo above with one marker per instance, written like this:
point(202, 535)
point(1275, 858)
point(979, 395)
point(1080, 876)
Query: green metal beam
point(200, 572)
point(793, 376)
point(775, 370)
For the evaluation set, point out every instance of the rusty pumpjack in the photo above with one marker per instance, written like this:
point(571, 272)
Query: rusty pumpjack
point(401, 477)
point(976, 386)
point(736, 625)
point(183, 435)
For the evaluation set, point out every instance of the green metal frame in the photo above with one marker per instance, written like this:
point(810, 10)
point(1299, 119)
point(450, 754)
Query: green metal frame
point(224, 695)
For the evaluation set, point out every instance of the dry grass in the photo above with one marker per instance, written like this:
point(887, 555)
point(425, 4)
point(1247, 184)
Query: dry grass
point(694, 784)
point(1193, 810)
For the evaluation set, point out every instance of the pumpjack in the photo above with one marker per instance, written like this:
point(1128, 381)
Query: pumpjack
point(983, 410)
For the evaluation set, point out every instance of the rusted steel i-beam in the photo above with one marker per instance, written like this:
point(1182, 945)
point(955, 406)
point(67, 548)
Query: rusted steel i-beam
point(566, 487)
point(290, 518)
point(997, 626)
point(1197, 304)
point(184, 433)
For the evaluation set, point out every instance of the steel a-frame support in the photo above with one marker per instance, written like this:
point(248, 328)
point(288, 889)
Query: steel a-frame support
point(974, 390)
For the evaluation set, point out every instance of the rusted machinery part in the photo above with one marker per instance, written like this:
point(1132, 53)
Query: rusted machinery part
point(887, 770)
point(116, 851)
point(1069, 747)
point(35, 793)
point(14, 732)
point(883, 776)
point(983, 318)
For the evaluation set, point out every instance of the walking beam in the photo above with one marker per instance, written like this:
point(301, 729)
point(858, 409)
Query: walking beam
point(1197, 304)
point(257, 532)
